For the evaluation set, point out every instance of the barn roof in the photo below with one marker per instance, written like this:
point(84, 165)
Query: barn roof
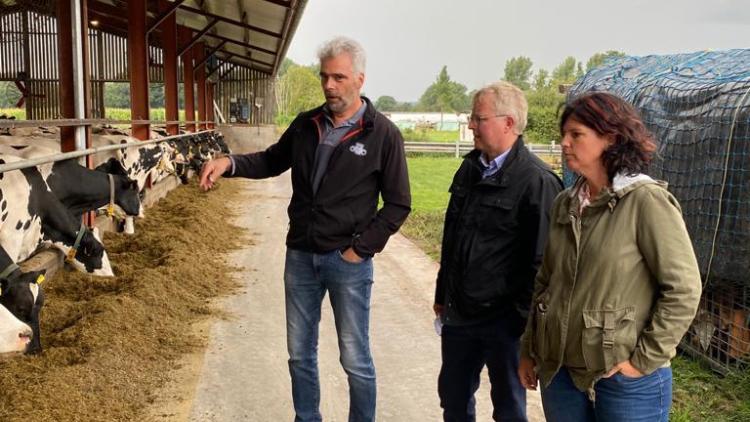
point(252, 33)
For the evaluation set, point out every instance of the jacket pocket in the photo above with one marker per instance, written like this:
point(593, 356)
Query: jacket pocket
point(609, 336)
point(539, 339)
point(458, 195)
point(497, 213)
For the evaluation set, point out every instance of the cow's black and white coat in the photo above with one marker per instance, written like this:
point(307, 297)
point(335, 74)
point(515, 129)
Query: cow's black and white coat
point(31, 216)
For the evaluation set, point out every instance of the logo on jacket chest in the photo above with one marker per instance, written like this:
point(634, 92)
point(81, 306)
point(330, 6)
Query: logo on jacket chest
point(358, 149)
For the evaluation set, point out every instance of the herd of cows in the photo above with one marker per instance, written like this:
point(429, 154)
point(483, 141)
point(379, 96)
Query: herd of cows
point(42, 206)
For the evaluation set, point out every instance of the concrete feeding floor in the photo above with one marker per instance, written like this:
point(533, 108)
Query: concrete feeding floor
point(244, 374)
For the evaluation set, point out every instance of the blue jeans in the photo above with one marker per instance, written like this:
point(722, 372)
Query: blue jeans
point(618, 398)
point(466, 350)
point(307, 277)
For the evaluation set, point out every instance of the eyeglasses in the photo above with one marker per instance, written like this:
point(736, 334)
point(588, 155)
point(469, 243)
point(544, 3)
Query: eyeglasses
point(479, 119)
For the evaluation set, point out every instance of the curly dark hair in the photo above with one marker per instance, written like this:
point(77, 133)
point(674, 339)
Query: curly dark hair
point(610, 115)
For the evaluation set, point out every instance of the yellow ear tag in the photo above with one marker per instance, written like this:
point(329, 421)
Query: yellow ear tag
point(71, 254)
point(40, 279)
point(110, 210)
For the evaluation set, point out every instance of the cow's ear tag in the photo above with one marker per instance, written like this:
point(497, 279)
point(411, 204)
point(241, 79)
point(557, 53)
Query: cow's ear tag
point(110, 210)
point(40, 279)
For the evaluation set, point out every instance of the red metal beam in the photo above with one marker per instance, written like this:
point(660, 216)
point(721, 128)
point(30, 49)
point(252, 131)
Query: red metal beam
point(167, 11)
point(197, 37)
point(169, 43)
point(199, 52)
point(138, 64)
point(185, 34)
point(230, 21)
point(65, 66)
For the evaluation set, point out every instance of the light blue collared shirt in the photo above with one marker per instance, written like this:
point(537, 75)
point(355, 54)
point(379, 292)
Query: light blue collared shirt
point(493, 166)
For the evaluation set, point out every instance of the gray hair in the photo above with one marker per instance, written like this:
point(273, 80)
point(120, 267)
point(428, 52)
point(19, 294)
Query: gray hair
point(344, 45)
point(508, 99)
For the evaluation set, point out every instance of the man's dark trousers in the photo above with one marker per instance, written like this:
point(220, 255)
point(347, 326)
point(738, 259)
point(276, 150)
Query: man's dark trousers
point(466, 349)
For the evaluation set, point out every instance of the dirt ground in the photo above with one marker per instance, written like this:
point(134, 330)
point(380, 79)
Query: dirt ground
point(243, 375)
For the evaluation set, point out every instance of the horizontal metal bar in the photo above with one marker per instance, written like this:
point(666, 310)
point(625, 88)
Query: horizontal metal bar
point(13, 123)
point(76, 154)
point(447, 147)
point(167, 13)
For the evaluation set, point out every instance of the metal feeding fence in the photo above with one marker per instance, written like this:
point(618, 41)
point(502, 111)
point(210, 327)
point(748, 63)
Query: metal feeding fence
point(698, 107)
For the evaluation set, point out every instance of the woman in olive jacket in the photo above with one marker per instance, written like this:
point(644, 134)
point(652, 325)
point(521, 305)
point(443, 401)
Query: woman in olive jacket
point(619, 283)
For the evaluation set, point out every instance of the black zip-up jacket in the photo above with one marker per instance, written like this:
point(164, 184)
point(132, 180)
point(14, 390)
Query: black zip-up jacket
point(369, 161)
point(494, 235)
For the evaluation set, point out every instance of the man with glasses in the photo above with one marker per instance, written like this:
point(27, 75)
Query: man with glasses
point(494, 234)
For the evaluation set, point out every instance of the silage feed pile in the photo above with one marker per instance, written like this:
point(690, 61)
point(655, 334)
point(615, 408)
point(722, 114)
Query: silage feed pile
point(109, 343)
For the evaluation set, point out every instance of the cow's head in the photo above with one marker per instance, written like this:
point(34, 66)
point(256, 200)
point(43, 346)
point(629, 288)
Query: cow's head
point(15, 335)
point(127, 196)
point(22, 295)
point(91, 257)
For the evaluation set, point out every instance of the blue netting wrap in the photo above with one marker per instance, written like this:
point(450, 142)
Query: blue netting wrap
point(698, 107)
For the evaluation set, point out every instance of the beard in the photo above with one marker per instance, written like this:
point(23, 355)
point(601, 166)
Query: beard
point(337, 104)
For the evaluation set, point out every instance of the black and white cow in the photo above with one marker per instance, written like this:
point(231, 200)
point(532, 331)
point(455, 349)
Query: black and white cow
point(31, 216)
point(137, 163)
point(15, 335)
point(81, 189)
point(22, 295)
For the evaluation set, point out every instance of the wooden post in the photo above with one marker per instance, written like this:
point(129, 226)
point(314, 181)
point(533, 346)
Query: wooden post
point(27, 61)
point(199, 50)
point(169, 42)
point(187, 67)
point(65, 65)
point(138, 64)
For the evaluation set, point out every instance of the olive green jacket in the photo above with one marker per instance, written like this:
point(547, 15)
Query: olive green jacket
point(619, 282)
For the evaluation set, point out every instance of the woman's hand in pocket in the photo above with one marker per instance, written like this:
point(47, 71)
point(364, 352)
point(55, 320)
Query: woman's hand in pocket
point(626, 368)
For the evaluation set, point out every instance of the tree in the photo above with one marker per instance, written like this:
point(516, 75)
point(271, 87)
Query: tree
point(117, 94)
point(298, 90)
point(565, 73)
point(518, 71)
point(386, 103)
point(579, 70)
point(285, 65)
point(444, 95)
point(9, 95)
point(599, 58)
point(541, 80)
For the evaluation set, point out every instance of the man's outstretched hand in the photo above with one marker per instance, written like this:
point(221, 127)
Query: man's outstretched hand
point(212, 171)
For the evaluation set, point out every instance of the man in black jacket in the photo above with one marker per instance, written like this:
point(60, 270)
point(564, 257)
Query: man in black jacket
point(343, 156)
point(495, 228)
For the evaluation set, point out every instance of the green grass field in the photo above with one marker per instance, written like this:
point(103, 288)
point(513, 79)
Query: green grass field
point(699, 394)
point(111, 113)
point(424, 135)
point(430, 177)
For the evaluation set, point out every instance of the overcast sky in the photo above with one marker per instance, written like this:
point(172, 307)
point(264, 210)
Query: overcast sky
point(408, 41)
